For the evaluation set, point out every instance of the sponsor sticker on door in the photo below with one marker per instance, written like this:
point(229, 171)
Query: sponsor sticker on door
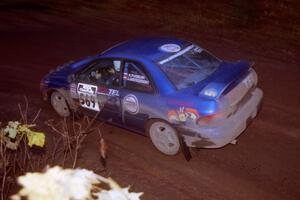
point(88, 96)
point(131, 104)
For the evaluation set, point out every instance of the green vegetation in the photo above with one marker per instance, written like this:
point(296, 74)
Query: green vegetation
point(14, 132)
point(23, 150)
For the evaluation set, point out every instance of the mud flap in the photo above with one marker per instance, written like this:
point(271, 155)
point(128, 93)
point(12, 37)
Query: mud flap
point(184, 148)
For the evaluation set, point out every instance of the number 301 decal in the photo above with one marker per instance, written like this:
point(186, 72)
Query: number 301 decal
point(87, 96)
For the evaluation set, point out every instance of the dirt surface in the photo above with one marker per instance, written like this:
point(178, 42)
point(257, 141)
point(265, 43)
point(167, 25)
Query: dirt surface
point(265, 163)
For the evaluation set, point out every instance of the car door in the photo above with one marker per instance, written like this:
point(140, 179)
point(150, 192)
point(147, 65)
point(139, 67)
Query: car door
point(137, 96)
point(97, 89)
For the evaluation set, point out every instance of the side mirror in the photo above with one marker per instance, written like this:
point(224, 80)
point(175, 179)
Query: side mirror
point(71, 78)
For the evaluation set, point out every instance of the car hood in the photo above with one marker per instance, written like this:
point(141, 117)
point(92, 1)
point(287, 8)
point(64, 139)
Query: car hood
point(228, 75)
point(62, 72)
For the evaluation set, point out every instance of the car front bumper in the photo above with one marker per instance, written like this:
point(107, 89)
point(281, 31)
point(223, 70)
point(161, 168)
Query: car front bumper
point(219, 136)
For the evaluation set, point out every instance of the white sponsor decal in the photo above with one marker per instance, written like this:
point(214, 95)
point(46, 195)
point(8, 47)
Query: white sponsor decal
point(131, 104)
point(135, 78)
point(110, 92)
point(87, 96)
point(176, 55)
point(86, 88)
point(113, 92)
point(170, 48)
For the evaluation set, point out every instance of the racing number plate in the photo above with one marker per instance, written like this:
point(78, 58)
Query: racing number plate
point(88, 96)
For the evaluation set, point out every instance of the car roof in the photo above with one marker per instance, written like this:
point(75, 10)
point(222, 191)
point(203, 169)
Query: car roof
point(146, 47)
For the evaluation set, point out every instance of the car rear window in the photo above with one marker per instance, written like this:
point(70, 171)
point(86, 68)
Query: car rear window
point(189, 66)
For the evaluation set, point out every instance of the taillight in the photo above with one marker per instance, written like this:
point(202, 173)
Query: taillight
point(210, 120)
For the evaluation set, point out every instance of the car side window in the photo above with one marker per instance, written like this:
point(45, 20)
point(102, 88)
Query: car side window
point(102, 72)
point(135, 79)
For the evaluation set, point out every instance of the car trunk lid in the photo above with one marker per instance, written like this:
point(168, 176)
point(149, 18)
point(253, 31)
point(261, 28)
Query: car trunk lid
point(224, 79)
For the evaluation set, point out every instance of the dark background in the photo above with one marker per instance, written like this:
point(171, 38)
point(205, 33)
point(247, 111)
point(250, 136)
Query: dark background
point(36, 36)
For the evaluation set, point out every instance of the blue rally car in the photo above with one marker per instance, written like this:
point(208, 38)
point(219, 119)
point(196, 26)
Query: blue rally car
point(166, 88)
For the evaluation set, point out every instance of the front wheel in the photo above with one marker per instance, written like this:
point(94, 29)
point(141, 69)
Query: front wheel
point(59, 104)
point(164, 137)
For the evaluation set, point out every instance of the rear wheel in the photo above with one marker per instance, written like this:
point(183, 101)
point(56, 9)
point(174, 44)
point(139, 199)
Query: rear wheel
point(164, 137)
point(59, 104)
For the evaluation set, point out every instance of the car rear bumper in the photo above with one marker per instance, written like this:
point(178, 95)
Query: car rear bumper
point(219, 136)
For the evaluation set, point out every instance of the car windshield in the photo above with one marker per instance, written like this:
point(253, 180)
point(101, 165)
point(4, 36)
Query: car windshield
point(189, 66)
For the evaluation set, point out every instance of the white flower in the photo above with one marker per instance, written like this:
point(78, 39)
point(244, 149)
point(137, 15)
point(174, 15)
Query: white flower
point(58, 184)
point(65, 184)
point(118, 194)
